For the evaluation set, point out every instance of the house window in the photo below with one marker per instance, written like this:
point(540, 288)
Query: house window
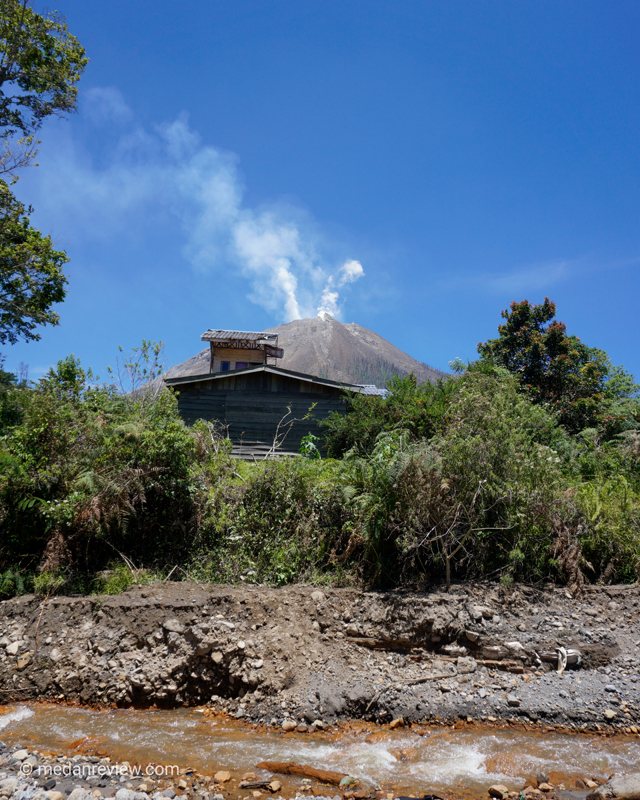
point(241, 364)
point(225, 366)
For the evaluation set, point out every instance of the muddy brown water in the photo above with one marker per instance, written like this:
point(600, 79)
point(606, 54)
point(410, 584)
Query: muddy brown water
point(407, 761)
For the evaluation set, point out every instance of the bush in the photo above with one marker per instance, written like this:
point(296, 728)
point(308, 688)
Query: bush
point(279, 522)
point(415, 408)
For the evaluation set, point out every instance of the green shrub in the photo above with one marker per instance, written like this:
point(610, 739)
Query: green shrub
point(416, 408)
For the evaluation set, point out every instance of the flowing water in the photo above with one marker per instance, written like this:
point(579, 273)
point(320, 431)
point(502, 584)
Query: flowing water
point(409, 761)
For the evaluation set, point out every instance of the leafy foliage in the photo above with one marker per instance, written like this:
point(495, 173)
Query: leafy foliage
point(558, 370)
point(40, 66)
point(31, 276)
point(409, 406)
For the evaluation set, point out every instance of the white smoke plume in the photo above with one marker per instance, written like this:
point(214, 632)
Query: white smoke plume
point(349, 272)
point(168, 174)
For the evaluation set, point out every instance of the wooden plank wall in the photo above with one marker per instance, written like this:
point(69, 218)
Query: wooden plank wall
point(252, 417)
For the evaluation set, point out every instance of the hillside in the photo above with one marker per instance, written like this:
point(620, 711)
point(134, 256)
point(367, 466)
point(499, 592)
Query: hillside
point(325, 347)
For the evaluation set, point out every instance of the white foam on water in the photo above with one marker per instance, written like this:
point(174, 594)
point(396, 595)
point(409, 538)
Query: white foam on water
point(14, 716)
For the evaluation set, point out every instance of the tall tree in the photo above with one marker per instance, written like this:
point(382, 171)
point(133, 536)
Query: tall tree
point(556, 369)
point(40, 66)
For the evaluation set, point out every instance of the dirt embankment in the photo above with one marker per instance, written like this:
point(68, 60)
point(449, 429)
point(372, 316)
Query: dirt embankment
point(301, 654)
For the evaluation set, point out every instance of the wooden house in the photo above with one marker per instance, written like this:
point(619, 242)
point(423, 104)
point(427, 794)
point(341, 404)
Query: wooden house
point(263, 409)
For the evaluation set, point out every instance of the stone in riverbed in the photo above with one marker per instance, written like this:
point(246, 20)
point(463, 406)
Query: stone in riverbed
point(289, 725)
point(499, 791)
point(80, 794)
point(222, 776)
point(624, 787)
point(609, 714)
point(20, 755)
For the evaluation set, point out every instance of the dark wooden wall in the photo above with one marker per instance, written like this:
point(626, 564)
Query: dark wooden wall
point(251, 410)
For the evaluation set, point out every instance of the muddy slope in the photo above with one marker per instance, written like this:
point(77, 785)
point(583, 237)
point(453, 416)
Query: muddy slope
point(301, 654)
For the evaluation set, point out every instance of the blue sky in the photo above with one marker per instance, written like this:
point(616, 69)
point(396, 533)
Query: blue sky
point(411, 166)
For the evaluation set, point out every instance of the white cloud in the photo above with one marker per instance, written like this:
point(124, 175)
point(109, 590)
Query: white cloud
point(148, 179)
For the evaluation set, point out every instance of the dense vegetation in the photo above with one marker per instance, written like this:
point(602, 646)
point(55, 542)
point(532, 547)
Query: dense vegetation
point(489, 474)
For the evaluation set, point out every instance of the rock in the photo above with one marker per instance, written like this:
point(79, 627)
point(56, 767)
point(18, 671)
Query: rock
point(12, 649)
point(222, 777)
point(182, 784)
point(542, 777)
point(609, 714)
point(545, 787)
point(289, 725)
point(80, 794)
point(174, 625)
point(55, 655)
point(23, 661)
point(218, 797)
point(169, 793)
point(499, 791)
point(591, 784)
point(217, 657)
point(466, 665)
point(513, 701)
point(275, 786)
point(317, 596)
point(20, 755)
point(580, 784)
point(623, 787)
point(53, 795)
point(610, 688)
point(397, 723)
point(472, 636)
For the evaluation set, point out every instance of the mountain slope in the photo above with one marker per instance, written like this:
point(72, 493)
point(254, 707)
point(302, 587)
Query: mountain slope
point(345, 352)
point(327, 348)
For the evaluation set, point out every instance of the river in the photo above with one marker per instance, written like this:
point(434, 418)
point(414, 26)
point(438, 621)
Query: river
point(406, 761)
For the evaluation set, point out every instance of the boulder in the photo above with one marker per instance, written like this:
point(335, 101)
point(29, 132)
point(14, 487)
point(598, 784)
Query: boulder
point(624, 787)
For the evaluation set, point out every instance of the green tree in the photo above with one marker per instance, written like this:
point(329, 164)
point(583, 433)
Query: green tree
point(576, 381)
point(40, 66)
point(31, 276)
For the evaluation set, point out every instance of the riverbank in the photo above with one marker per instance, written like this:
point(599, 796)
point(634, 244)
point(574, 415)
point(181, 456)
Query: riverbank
point(302, 657)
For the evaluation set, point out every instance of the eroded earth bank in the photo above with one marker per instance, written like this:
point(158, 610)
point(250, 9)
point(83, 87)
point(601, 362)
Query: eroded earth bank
point(303, 656)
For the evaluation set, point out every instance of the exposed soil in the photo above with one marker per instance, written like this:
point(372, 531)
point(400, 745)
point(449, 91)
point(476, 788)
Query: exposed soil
point(304, 655)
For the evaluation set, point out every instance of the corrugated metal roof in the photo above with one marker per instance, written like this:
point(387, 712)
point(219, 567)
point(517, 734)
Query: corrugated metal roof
point(373, 390)
point(243, 336)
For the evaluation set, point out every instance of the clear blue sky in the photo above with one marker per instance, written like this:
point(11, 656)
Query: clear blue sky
point(229, 158)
